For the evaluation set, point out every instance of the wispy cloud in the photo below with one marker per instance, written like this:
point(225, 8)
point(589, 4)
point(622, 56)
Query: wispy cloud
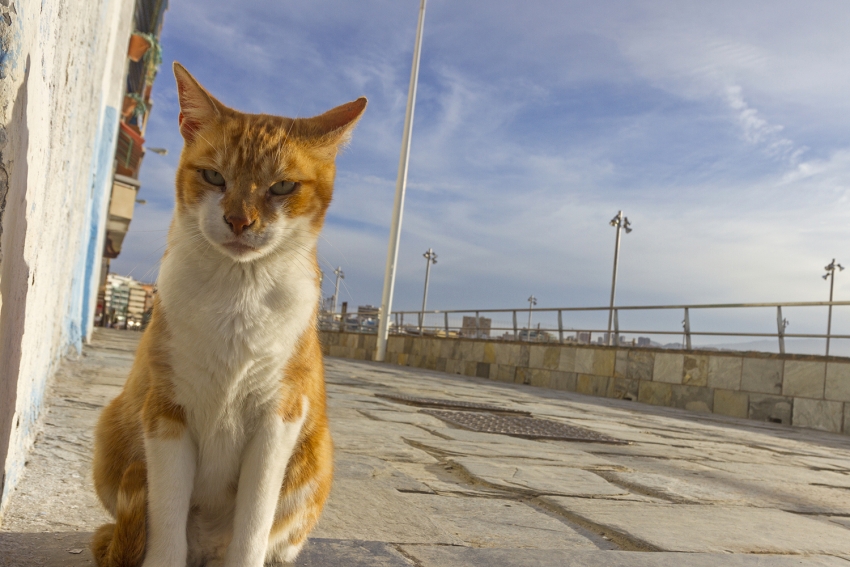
point(760, 132)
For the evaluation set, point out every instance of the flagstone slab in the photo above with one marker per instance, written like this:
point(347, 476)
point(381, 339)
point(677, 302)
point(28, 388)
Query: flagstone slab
point(363, 467)
point(496, 522)
point(538, 479)
point(712, 529)
point(360, 436)
point(369, 510)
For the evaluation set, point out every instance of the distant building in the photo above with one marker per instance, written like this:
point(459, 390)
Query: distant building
point(367, 318)
point(472, 329)
point(150, 290)
point(368, 311)
point(644, 342)
point(125, 301)
point(535, 336)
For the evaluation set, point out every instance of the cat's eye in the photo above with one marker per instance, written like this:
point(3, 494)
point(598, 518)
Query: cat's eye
point(213, 177)
point(283, 187)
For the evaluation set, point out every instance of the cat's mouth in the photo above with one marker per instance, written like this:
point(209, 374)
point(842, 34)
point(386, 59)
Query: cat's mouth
point(239, 247)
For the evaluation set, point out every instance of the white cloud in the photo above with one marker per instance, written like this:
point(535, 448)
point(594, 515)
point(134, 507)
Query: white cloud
point(759, 131)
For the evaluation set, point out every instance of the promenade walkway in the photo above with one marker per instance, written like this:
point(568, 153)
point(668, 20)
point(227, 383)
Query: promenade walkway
point(412, 490)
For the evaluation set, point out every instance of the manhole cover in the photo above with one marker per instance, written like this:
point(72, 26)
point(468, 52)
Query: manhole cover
point(454, 404)
point(528, 427)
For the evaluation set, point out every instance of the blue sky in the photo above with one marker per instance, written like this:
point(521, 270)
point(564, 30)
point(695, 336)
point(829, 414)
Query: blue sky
point(722, 130)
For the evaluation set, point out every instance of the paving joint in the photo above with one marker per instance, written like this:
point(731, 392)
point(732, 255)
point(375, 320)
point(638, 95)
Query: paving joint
point(624, 542)
point(638, 489)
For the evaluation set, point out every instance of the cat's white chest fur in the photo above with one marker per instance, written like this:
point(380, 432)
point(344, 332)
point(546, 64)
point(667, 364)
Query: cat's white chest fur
point(233, 327)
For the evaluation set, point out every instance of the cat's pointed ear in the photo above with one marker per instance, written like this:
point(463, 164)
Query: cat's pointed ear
point(197, 107)
point(333, 128)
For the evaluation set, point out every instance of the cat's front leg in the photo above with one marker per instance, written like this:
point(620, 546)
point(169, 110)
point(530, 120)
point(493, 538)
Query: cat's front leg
point(260, 478)
point(171, 456)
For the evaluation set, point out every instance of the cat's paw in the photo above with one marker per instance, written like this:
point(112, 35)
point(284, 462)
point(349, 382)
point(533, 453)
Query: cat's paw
point(283, 555)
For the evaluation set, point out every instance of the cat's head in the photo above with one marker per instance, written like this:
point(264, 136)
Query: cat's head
point(253, 183)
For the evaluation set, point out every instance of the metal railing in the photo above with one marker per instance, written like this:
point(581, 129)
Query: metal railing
point(477, 326)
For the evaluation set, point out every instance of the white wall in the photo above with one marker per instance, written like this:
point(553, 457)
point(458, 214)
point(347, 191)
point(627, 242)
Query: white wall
point(62, 71)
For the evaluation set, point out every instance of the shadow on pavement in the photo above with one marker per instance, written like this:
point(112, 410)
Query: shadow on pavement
point(71, 549)
point(47, 549)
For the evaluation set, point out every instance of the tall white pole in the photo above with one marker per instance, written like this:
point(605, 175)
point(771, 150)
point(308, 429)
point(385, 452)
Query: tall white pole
point(398, 204)
point(618, 226)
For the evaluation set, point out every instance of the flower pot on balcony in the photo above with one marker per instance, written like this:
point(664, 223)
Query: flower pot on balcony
point(128, 107)
point(139, 45)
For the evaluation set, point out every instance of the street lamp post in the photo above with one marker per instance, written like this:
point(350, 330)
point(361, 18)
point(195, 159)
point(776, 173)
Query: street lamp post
point(620, 223)
point(532, 301)
point(830, 275)
point(398, 204)
point(339, 276)
point(430, 258)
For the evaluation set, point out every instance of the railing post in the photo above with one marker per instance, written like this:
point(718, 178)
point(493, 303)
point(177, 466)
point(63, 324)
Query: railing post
point(421, 317)
point(477, 331)
point(560, 328)
point(516, 334)
point(780, 325)
point(687, 323)
point(616, 328)
point(446, 318)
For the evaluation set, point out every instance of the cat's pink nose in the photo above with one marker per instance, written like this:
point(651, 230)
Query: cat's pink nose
point(238, 223)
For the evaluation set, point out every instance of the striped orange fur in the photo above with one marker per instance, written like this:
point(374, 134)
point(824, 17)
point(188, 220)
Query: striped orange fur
point(217, 451)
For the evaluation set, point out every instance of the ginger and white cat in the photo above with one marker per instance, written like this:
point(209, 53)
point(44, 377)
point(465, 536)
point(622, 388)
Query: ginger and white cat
point(217, 451)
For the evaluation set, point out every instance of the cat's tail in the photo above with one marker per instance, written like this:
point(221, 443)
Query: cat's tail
point(122, 544)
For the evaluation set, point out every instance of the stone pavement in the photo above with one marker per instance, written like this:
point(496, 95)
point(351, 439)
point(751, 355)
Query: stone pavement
point(411, 490)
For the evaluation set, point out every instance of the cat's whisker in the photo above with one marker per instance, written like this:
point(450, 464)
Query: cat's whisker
point(150, 271)
point(322, 258)
point(347, 291)
point(146, 258)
